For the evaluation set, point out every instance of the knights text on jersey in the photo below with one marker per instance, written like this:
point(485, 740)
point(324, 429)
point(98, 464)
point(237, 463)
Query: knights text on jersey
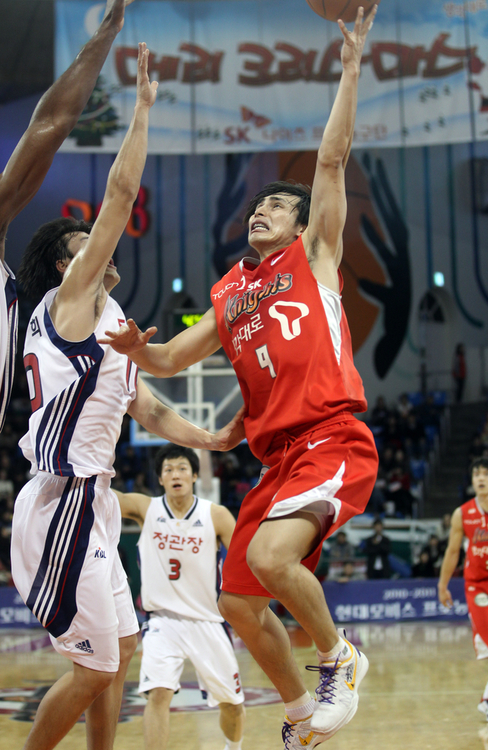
point(178, 559)
point(475, 528)
point(9, 316)
point(289, 343)
point(79, 393)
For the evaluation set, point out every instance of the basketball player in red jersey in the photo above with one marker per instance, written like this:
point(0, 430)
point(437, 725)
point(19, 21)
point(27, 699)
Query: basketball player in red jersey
point(471, 520)
point(54, 118)
point(281, 323)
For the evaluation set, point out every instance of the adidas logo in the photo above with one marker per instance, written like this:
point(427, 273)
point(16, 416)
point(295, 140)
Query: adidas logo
point(198, 523)
point(85, 646)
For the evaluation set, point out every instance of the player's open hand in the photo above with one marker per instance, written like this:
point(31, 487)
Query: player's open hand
point(115, 10)
point(352, 49)
point(445, 597)
point(129, 338)
point(146, 90)
point(230, 435)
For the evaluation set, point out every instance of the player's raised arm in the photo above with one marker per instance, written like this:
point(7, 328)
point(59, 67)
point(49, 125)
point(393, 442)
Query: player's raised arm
point(451, 558)
point(164, 360)
point(54, 118)
point(323, 237)
point(74, 308)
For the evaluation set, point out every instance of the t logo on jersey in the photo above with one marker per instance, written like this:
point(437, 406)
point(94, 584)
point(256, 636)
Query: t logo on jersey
point(290, 326)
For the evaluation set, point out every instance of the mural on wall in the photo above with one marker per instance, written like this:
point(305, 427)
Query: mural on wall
point(376, 262)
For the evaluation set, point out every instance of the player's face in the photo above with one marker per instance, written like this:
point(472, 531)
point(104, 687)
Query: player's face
point(479, 480)
point(177, 477)
point(273, 225)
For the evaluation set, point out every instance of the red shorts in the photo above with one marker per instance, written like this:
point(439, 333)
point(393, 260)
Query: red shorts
point(333, 466)
point(477, 601)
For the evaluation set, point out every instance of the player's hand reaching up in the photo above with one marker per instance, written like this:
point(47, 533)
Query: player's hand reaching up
point(352, 49)
point(115, 9)
point(129, 338)
point(146, 90)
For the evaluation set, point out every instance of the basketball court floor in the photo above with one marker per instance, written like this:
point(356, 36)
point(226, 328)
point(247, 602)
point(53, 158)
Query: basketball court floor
point(420, 693)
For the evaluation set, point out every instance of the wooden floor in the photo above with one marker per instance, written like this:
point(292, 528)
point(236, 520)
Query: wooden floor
point(421, 692)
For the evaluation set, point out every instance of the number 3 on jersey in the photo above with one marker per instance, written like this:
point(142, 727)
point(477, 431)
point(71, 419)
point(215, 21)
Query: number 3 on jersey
point(175, 570)
point(265, 360)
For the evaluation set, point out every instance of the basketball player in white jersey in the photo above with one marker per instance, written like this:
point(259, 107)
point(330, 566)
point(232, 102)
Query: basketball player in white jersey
point(178, 555)
point(54, 118)
point(66, 523)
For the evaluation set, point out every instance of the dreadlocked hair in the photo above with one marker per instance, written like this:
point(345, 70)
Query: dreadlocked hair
point(302, 192)
point(37, 271)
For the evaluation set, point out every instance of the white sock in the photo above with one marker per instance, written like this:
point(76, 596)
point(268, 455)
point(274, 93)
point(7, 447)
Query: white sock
point(341, 650)
point(229, 745)
point(301, 708)
point(485, 692)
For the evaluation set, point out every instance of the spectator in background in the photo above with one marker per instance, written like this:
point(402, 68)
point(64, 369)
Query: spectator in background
point(340, 548)
point(435, 555)
point(424, 568)
point(380, 413)
point(349, 572)
point(377, 550)
point(404, 406)
point(459, 372)
point(414, 437)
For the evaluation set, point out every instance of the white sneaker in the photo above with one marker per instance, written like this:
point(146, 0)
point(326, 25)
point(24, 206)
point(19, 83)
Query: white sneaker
point(299, 734)
point(337, 694)
point(483, 707)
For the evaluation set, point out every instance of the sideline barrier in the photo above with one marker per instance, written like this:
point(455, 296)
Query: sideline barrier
point(393, 600)
point(356, 601)
point(13, 612)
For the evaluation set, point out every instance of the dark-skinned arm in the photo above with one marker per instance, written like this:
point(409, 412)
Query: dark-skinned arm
point(54, 118)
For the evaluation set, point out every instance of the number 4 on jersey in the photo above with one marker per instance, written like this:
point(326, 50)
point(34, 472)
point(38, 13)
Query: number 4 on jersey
point(265, 360)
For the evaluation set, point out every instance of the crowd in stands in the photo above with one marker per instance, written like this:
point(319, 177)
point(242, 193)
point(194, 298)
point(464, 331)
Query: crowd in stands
point(405, 433)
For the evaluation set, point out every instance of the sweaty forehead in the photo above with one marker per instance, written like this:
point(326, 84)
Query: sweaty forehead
point(283, 197)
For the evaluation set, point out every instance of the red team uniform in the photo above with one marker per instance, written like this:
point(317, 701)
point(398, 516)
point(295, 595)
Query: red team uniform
point(475, 527)
point(288, 340)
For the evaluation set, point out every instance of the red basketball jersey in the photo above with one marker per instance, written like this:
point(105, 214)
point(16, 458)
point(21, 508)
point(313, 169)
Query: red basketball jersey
point(289, 342)
point(475, 527)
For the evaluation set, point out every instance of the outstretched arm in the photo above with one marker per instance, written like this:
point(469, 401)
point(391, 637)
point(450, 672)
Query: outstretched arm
point(159, 419)
point(133, 505)
point(54, 118)
point(451, 558)
point(74, 308)
point(164, 360)
point(323, 237)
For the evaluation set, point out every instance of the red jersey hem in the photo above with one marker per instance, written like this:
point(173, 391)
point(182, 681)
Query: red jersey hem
point(247, 590)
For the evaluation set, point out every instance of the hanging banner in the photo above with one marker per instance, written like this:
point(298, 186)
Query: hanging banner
point(261, 75)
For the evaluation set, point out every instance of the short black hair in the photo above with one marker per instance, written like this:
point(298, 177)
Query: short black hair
point(37, 271)
point(290, 188)
point(480, 461)
point(170, 450)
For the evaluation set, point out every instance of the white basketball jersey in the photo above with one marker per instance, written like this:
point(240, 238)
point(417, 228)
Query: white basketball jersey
point(179, 561)
point(8, 336)
point(79, 394)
